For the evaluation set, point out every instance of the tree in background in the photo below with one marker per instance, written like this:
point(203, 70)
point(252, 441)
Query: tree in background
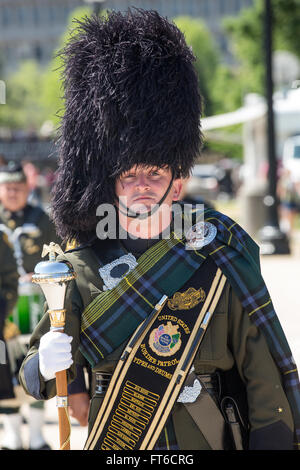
point(23, 88)
point(51, 98)
point(207, 54)
point(247, 35)
point(34, 94)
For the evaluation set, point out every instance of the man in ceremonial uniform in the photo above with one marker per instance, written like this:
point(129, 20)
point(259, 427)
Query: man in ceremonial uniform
point(8, 297)
point(178, 326)
point(28, 228)
point(15, 212)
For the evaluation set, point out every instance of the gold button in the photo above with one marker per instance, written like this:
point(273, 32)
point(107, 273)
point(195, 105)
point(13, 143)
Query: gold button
point(280, 410)
point(11, 224)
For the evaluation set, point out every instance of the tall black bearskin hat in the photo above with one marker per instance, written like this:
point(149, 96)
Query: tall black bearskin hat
point(131, 97)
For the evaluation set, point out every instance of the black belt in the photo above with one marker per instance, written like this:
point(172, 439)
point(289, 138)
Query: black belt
point(102, 380)
point(210, 381)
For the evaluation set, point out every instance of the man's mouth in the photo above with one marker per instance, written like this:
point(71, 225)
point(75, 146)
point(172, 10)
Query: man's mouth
point(143, 198)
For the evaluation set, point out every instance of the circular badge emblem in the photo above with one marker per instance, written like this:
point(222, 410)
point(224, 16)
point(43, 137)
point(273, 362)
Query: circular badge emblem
point(200, 234)
point(115, 271)
point(165, 340)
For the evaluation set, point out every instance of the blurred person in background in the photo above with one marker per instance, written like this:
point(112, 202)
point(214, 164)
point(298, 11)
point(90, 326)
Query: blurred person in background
point(289, 197)
point(188, 196)
point(18, 215)
point(16, 211)
point(28, 228)
point(8, 299)
point(33, 177)
point(3, 160)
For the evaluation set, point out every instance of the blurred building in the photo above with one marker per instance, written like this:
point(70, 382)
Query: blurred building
point(30, 29)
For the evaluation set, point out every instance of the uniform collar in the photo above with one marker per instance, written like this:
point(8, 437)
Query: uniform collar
point(140, 245)
point(12, 215)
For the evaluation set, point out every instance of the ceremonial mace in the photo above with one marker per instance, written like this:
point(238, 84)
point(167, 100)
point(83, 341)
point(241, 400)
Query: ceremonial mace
point(52, 277)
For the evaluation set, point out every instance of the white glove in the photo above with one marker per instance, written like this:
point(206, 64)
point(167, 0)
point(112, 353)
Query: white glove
point(54, 353)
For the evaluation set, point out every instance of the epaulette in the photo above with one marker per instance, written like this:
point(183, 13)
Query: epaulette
point(77, 248)
point(73, 245)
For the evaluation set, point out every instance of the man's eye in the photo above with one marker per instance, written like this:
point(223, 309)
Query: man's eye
point(130, 175)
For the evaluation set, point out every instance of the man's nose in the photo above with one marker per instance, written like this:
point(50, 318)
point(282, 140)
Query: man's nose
point(12, 192)
point(142, 182)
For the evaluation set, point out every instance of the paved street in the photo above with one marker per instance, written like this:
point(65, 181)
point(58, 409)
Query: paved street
point(282, 276)
point(50, 429)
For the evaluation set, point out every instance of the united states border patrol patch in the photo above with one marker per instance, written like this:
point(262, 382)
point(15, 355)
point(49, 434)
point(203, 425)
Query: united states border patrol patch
point(165, 340)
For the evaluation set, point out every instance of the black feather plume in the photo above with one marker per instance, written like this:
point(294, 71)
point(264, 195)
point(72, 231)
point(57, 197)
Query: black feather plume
point(131, 96)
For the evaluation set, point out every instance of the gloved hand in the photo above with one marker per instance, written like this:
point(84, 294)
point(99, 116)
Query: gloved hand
point(54, 353)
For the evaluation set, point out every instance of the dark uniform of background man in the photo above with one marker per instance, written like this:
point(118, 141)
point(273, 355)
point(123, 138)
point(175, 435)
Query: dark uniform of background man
point(131, 129)
point(8, 298)
point(17, 214)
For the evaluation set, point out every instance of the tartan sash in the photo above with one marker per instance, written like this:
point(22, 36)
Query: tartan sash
point(159, 272)
point(114, 315)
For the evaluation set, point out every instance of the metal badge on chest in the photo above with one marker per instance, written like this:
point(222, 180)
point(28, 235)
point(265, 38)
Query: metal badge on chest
point(115, 271)
point(200, 234)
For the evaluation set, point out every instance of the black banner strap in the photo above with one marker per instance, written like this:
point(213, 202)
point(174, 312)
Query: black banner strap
point(153, 368)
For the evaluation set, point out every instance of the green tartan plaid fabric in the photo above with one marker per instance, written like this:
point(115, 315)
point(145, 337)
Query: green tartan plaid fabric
point(114, 315)
point(166, 266)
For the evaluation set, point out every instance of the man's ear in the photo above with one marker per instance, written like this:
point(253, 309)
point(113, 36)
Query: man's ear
point(177, 185)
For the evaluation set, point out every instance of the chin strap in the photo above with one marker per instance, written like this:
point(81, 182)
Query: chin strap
point(144, 215)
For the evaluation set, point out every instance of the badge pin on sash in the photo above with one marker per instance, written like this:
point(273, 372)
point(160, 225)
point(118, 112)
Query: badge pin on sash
point(53, 277)
point(114, 272)
point(199, 235)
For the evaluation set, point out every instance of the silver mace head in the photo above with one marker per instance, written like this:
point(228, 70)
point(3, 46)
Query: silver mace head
point(53, 277)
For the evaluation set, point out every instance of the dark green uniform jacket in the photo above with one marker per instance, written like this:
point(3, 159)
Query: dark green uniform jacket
point(31, 249)
point(8, 298)
point(231, 341)
point(31, 244)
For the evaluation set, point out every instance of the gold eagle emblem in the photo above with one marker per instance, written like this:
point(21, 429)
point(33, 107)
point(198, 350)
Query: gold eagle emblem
point(186, 300)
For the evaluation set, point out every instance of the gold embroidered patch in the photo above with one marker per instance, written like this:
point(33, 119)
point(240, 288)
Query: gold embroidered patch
point(186, 300)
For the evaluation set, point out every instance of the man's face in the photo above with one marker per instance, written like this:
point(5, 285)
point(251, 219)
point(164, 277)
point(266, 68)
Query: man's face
point(142, 187)
point(13, 196)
